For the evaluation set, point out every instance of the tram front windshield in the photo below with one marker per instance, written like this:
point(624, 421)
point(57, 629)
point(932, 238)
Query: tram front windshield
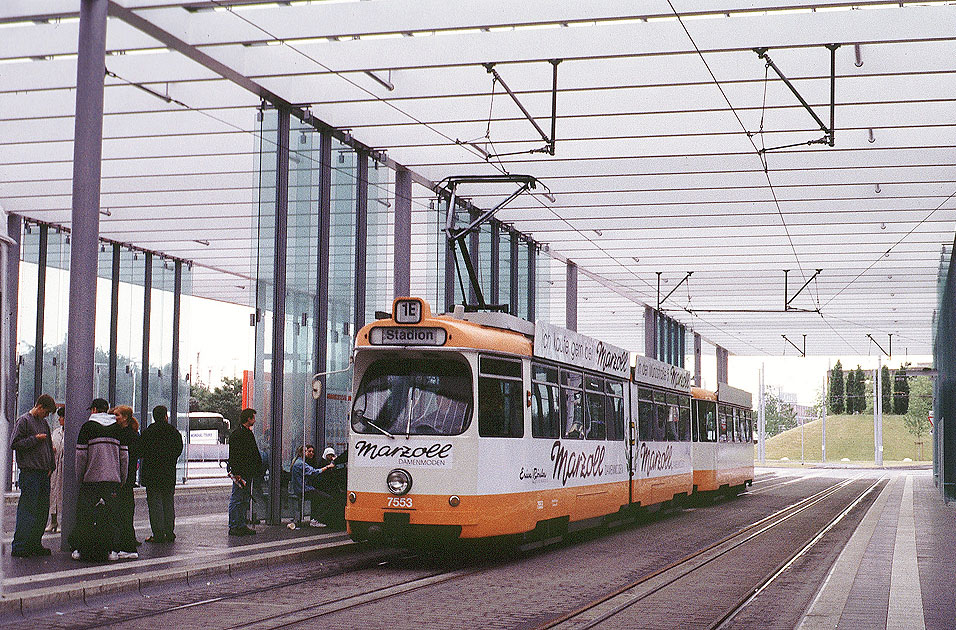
point(407, 396)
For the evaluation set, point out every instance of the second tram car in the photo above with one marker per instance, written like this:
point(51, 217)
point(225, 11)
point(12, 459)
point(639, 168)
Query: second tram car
point(477, 425)
point(723, 439)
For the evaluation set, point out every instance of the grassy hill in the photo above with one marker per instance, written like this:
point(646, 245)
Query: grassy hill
point(850, 437)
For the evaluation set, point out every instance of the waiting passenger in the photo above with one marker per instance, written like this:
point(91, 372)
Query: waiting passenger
point(30, 439)
point(102, 463)
point(245, 465)
point(303, 482)
point(130, 433)
point(161, 444)
point(56, 479)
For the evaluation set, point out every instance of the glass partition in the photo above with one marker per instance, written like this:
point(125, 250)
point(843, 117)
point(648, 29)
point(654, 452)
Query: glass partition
point(56, 314)
point(160, 334)
point(504, 267)
point(341, 293)
point(104, 315)
point(298, 407)
point(129, 343)
point(428, 249)
point(27, 320)
point(379, 283)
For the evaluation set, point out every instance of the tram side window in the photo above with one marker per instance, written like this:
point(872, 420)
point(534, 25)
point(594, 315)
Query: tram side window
point(646, 415)
point(663, 415)
point(722, 432)
point(750, 425)
point(595, 428)
point(683, 421)
point(710, 418)
point(738, 426)
point(671, 428)
point(572, 407)
point(545, 412)
point(499, 408)
point(614, 413)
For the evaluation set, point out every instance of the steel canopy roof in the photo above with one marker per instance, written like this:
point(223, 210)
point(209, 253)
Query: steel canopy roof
point(656, 169)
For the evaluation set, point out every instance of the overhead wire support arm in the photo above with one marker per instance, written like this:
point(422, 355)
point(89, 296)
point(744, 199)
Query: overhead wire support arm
point(676, 286)
point(549, 141)
point(829, 133)
point(787, 298)
point(803, 352)
point(888, 354)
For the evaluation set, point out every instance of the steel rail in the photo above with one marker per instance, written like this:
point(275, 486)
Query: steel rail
point(782, 567)
point(747, 533)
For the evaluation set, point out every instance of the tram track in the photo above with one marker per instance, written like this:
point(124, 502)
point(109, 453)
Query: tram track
point(604, 609)
point(374, 558)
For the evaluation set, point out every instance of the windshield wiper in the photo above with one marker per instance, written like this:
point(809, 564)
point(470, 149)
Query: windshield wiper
point(375, 426)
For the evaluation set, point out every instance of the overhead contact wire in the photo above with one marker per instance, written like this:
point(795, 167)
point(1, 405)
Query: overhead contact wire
point(746, 132)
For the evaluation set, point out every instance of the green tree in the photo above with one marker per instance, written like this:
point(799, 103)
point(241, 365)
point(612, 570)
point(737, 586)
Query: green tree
point(886, 393)
point(225, 399)
point(836, 402)
point(901, 391)
point(780, 415)
point(851, 392)
point(859, 393)
point(920, 400)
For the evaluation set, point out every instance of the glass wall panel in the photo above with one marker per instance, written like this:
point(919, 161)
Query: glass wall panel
point(129, 344)
point(101, 332)
point(543, 285)
point(379, 283)
point(484, 260)
point(428, 243)
point(341, 292)
point(298, 411)
point(504, 267)
point(161, 334)
point(27, 317)
point(524, 281)
point(56, 314)
point(264, 272)
point(181, 417)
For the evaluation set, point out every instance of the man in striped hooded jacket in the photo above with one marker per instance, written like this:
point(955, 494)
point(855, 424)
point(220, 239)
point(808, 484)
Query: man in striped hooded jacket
point(102, 462)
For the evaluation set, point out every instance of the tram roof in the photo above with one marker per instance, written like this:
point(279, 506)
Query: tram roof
point(656, 168)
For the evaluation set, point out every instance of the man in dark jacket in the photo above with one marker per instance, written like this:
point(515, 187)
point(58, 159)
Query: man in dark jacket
point(245, 465)
point(102, 464)
point(30, 439)
point(160, 444)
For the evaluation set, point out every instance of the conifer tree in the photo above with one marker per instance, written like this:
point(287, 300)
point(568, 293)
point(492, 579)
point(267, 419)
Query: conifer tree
point(886, 394)
point(851, 391)
point(861, 390)
point(835, 399)
point(901, 393)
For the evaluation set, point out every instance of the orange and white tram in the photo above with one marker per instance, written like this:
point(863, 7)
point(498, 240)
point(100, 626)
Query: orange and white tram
point(723, 439)
point(477, 425)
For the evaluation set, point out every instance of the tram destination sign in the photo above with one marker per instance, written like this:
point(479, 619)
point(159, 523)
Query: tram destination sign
point(407, 336)
point(567, 346)
point(653, 372)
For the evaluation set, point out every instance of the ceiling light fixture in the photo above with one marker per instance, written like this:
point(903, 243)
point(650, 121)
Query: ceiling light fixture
point(870, 137)
point(858, 55)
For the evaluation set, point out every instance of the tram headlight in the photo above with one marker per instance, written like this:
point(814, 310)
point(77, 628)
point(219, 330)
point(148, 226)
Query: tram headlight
point(399, 482)
point(352, 497)
point(454, 501)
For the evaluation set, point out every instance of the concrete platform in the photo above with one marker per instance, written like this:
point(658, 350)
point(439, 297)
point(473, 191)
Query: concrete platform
point(896, 572)
point(202, 548)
